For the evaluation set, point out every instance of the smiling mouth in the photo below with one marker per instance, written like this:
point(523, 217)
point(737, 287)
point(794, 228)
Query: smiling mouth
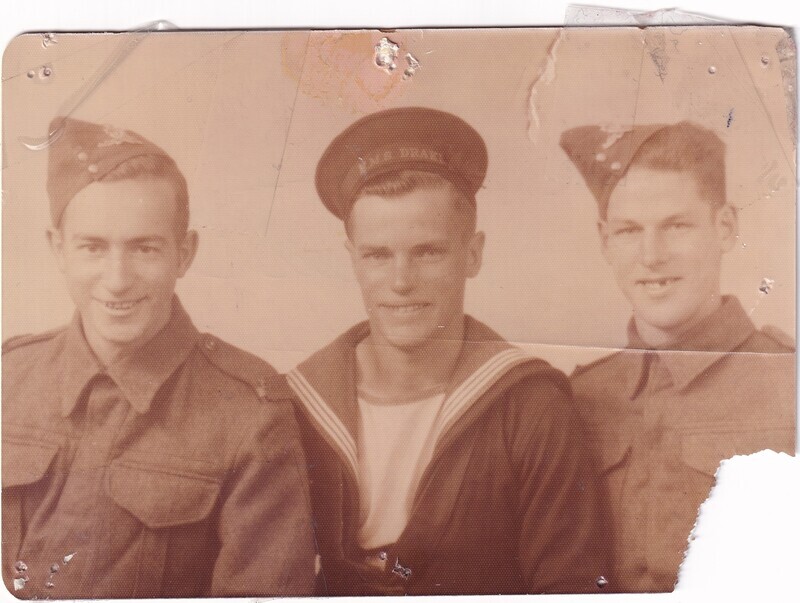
point(656, 284)
point(121, 306)
point(404, 308)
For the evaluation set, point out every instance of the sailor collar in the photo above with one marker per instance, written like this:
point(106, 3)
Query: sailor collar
point(325, 383)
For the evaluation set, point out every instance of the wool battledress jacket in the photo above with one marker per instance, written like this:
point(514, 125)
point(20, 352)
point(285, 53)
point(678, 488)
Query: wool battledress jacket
point(505, 504)
point(168, 473)
point(662, 421)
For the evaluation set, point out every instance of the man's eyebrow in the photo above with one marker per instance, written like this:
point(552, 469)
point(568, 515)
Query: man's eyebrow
point(149, 239)
point(135, 241)
point(87, 237)
point(368, 247)
point(676, 218)
point(435, 244)
point(622, 221)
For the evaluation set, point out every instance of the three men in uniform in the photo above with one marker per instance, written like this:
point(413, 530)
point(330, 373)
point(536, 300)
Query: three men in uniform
point(144, 459)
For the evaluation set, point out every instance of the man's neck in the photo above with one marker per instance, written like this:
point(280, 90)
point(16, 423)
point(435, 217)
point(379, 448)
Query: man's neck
point(109, 352)
point(391, 371)
point(658, 338)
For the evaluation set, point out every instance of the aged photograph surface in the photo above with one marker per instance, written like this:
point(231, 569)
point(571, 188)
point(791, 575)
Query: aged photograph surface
point(364, 312)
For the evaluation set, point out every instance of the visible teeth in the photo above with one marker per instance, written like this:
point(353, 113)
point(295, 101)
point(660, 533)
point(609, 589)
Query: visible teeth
point(120, 305)
point(406, 309)
point(657, 284)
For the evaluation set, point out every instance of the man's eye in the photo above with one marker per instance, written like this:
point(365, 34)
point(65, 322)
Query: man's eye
point(678, 226)
point(90, 247)
point(147, 249)
point(431, 253)
point(375, 255)
point(628, 230)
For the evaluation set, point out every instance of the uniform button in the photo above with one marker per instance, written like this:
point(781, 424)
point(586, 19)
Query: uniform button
point(261, 388)
point(601, 582)
point(83, 156)
point(211, 344)
point(92, 168)
point(382, 555)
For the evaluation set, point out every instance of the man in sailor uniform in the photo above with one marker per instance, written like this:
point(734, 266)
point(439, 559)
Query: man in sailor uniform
point(442, 459)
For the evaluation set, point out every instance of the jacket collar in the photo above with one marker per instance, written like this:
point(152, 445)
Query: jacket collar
point(326, 382)
point(705, 344)
point(140, 375)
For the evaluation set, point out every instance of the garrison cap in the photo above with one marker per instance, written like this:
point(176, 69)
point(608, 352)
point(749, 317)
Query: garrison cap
point(408, 138)
point(603, 155)
point(85, 152)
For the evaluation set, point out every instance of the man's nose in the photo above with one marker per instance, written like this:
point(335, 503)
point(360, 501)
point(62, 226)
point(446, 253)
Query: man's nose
point(403, 275)
point(118, 272)
point(653, 249)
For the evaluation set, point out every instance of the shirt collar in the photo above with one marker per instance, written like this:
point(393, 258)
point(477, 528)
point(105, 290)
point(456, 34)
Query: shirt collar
point(139, 375)
point(704, 344)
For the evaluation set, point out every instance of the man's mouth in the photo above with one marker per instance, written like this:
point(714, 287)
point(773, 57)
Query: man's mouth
point(121, 306)
point(403, 309)
point(654, 285)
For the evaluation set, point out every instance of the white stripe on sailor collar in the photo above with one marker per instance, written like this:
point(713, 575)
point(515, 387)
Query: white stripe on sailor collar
point(477, 384)
point(324, 416)
point(454, 406)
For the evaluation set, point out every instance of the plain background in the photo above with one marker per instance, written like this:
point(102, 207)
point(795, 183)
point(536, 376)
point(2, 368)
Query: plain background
point(246, 115)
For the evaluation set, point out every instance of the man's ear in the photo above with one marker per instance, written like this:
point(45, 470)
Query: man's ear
point(475, 253)
point(55, 239)
point(351, 248)
point(187, 249)
point(726, 222)
point(602, 230)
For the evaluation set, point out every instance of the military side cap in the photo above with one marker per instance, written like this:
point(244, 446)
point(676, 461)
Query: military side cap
point(409, 138)
point(603, 155)
point(85, 152)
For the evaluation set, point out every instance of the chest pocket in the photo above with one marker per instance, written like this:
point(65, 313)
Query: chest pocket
point(26, 462)
point(160, 497)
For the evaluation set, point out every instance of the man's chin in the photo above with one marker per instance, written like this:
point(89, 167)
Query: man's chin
point(407, 340)
point(663, 320)
point(123, 337)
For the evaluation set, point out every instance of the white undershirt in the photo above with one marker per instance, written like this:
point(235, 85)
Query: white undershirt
point(396, 441)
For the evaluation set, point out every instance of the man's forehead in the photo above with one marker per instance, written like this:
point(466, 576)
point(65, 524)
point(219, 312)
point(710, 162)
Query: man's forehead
point(665, 183)
point(93, 212)
point(655, 194)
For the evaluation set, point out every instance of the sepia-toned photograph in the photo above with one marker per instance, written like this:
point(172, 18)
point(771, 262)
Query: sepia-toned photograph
point(388, 312)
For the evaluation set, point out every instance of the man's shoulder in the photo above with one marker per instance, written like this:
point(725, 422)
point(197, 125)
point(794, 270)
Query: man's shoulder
point(24, 341)
point(598, 369)
point(22, 350)
point(237, 364)
point(770, 339)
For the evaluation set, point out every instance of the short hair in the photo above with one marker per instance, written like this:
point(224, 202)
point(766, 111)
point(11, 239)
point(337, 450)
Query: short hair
point(396, 184)
point(687, 148)
point(157, 167)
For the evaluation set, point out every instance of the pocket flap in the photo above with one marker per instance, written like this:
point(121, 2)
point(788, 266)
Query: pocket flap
point(26, 461)
point(608, 449)
point(160, 497)
point(705, 451)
